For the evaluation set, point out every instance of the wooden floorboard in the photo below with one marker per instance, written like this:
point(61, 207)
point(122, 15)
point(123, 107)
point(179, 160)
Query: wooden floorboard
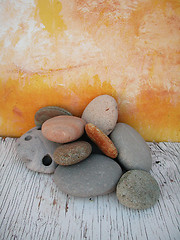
point(31, 206)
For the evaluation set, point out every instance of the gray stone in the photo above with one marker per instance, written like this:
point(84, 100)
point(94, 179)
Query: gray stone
point(71, 153)
point(48, 112)
point(137, 189)
point(102, 112)
point(134, 152)
point(36, 151)
point(96, 175)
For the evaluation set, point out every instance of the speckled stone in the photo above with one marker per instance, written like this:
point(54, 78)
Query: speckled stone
point(102, 112)
point(137, 189)
point(45, 113)
point(96, 175)
point(134, 152)
point(71, 153)
point(63, 129)
point(36, 151)
point(95, 149)
point(101, 140)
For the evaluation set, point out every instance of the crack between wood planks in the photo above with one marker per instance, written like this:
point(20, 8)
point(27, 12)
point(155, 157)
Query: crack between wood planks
point(66, 206)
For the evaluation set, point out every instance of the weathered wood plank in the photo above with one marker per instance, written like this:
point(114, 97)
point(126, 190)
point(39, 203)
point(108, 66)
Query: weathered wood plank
point(31, 207)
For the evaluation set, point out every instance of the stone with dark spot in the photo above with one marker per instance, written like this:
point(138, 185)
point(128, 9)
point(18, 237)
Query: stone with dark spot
point(71, 153)
point(96, 175)
point(48, 112)
point(36, 151)
point(102, 112)
point(137, 189)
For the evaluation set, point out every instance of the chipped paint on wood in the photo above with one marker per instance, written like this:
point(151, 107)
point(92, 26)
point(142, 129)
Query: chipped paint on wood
point(31, 206)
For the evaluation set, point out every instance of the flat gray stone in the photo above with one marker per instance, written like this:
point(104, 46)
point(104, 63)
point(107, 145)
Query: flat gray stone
point(36, 151)
point(72, 153)
point(134, 153)
point(137, 189)
point(96, 175)
point(45, 113)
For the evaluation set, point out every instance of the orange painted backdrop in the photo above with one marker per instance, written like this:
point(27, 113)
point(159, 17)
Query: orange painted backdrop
point(65, 53)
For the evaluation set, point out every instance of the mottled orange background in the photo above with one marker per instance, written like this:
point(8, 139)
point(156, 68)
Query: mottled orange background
point(65, 53)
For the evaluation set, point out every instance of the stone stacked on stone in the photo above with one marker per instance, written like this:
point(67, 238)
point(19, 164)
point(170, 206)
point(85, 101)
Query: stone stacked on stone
point(68, 145)
point(101, 140)
point(45, 113)
point(134, 152)
point(102, 112)
point(63, 129)
point(71, 153)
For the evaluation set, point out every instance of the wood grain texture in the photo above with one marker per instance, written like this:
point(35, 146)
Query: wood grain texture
point(31, 207)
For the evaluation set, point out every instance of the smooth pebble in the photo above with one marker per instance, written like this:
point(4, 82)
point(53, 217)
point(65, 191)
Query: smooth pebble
point(63, 129)
point(137, 189)
point(36, 151)
point(71, 153)
point(102, 112)
point(45, 113)
point(96, 175)
point(101, 140)
point(134, 152)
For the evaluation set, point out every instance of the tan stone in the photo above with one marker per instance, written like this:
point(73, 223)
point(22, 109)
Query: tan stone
point(71, 153)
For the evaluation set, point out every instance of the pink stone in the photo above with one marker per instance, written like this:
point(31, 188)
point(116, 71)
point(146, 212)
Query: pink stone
point(63, 129)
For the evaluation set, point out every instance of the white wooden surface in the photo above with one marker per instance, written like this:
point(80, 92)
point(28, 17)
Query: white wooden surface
point(31, 207)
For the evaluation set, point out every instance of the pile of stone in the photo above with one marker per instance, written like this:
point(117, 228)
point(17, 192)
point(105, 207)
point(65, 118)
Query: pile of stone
point(92, 155)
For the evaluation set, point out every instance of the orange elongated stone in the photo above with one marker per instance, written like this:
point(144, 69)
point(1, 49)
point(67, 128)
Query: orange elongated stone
point(101, 140)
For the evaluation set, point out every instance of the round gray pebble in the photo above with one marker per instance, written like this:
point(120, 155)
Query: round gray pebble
point(134, 153)
point(48, 112)
point(96, 175)
point(137, 189)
